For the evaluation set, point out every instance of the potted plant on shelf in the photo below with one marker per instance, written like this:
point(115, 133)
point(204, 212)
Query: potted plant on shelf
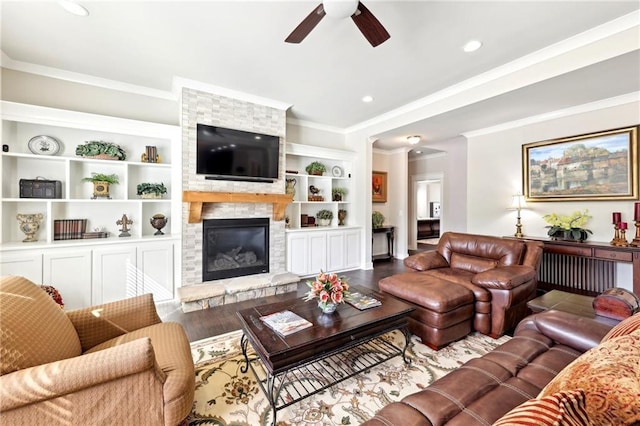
point(316, 168)
point(338, 194)
point(101, 150)
point(570, 227)
point(324, 217)
point(101, 184)
point(151, 190)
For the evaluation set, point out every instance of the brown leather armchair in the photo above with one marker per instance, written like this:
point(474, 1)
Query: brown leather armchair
point(470, 282)
point(115, 363)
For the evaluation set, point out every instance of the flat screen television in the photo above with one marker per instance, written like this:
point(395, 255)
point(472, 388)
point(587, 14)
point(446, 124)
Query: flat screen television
point(230, 154)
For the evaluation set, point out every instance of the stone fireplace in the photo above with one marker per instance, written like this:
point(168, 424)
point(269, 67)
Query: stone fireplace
point(235, 248)
point(198, 290)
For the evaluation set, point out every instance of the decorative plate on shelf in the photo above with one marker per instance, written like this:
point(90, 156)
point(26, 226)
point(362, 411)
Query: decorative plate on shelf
point(336, 171)
point(44, 145)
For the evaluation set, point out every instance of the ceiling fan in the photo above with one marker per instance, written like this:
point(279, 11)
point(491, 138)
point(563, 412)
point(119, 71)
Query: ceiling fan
point(368, 24)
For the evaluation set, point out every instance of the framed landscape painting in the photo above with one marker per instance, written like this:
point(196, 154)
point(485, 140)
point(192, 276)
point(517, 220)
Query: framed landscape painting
point(597, 166)
point(379, 187)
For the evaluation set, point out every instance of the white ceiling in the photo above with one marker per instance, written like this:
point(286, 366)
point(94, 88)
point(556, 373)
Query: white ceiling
point(240, 45)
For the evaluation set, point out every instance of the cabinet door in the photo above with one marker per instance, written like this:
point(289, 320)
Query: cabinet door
point(114, 274)
point(26, 264)
point(155, 270)
point(297, 253)
point(352, 249)
point(70, 272)
point(335, 251)
point(317, 252)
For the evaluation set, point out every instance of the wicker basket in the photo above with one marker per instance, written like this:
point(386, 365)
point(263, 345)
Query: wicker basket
point(102, 157)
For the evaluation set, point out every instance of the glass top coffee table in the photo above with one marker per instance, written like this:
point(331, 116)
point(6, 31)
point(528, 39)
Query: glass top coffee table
point(336, 347)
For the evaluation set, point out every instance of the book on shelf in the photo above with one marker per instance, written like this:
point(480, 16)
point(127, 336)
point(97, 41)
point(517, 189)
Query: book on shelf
point(285, 322)
point(362, 301)
point(96, 234)
point(69, 229)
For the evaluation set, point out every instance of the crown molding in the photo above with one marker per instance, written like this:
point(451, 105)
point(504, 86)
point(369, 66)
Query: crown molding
point(601, 32)
point(90, 80)
point(567, 112)
point(179, 83)
point(317, 126)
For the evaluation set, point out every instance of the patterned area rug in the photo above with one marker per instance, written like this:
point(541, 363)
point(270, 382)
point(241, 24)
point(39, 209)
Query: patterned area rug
point(227, 397)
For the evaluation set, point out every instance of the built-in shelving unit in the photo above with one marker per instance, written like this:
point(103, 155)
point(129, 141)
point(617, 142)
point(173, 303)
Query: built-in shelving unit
point(311, 248)
point(86, 258)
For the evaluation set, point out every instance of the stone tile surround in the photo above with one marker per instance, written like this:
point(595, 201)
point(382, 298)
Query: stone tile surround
point(216, 110)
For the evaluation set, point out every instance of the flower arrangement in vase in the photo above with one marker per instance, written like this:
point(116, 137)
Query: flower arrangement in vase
point(570, 227)
point(330, 290)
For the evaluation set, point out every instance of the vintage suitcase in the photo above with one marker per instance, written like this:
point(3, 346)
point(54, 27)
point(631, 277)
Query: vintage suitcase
point(616, 303)
point(40, 188)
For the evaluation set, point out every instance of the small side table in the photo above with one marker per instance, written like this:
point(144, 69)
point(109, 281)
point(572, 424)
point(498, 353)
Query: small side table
point(389, 231)
point(568, 302)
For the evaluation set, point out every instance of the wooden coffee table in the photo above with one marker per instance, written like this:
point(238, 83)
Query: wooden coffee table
point(336, 347)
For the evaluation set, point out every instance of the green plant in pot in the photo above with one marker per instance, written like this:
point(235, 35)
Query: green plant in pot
point(316, 168)
point(101, 184)
point(338, 194)
point(571, 227)
point(151, 190)
point(324, 217)
point(101, 150)
point(377, 220)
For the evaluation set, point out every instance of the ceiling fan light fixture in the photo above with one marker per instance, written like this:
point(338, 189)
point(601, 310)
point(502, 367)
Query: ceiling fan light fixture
point(74, 8)
point(413, 140)
point(472, 46)
point(340, 8)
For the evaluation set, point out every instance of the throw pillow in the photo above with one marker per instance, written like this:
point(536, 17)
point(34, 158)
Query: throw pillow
point(34, 329)
point(625, 327)
point(609, 375)
point(559, 409)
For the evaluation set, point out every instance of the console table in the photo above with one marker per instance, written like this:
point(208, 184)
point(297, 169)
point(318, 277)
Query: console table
point(585, 268)
point(389, 231)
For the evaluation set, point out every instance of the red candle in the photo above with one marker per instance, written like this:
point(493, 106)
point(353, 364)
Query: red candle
point(636, 214)
point(623, 225)
point(617, 217)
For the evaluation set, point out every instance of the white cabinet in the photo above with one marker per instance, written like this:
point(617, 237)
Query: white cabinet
point(69, 271)
point(88, 271)
point(309, 252)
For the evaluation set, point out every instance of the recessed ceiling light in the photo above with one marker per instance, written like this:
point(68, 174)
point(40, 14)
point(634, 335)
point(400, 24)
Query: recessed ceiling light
point(413, 139)
point(367, 98)
point(418, 152)
point(472, 46)
point(74, 8)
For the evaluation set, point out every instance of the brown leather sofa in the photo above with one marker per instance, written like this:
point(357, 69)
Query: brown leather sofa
point(470, 282)
point(484, 389)
point(115, 363)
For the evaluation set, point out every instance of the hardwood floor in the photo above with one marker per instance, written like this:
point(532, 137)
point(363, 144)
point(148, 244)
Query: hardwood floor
point(222, 319)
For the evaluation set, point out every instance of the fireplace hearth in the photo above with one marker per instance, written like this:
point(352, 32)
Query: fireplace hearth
point(234, 248)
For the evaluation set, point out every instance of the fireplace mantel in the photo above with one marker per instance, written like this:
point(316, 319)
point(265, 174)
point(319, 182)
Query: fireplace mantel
point(197, 198)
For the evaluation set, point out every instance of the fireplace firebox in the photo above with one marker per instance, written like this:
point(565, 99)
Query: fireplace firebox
point(234, 248)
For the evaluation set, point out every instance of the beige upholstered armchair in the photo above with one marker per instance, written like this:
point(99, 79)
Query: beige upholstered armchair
point(115, 363)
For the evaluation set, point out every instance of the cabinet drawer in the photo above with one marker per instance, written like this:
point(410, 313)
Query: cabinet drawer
point(620, 256)
point(572, 251)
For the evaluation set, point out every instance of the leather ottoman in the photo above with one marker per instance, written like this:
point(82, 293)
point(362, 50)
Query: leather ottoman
point(444, 311)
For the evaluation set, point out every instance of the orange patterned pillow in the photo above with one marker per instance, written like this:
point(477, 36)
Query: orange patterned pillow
point(625, 327)
point(560, 409)
point(609, 375)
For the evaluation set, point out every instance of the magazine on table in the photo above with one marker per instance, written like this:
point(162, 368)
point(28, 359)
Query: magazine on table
point(363, 301)
point(285, 322)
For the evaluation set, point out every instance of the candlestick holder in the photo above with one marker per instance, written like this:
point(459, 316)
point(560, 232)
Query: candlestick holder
point(616, 235)
point(636, 240)
point(623, 239)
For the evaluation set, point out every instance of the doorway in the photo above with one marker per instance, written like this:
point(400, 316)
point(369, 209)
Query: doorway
point(426, 211)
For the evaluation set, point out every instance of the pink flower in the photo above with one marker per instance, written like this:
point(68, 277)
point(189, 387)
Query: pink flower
point(324, 296)
point(336, 297)
point(316, 286)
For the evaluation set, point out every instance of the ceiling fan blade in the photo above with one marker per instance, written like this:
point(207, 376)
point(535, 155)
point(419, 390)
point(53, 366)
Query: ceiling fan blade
point(306, 25)
point(369, 26)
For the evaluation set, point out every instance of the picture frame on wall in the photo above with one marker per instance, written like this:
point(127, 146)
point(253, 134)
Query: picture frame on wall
point(379, 187)
point(594, 166)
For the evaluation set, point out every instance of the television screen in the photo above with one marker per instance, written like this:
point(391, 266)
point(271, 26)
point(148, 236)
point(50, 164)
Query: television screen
point(235, 154)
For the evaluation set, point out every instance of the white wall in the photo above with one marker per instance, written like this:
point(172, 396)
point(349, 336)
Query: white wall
point(306, 135)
